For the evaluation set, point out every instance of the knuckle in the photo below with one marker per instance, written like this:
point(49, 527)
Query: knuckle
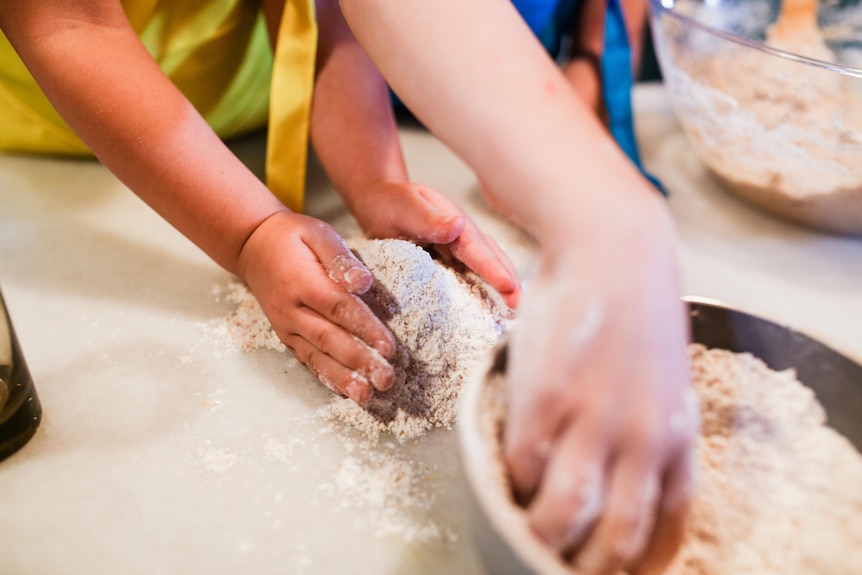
point(323, 339)
point(295, 344)
point(338, 307)
point(313, 361)
point(631, 528)
point(582, 493)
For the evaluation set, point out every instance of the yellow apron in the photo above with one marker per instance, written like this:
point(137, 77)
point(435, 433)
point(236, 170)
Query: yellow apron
point(217, 53)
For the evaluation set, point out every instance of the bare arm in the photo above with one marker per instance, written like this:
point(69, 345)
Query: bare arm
point(506, 94)
point(353, 128)
point(589, 38)
point(94, 70)
point(581, 421)
point(355, 135)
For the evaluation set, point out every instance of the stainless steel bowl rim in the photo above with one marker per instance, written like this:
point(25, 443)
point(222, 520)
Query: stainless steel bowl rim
point(506, 544)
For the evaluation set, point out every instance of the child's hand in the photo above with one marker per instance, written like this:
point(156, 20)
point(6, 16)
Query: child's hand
point(307, 281)
point(391, 209)
point(601, 419)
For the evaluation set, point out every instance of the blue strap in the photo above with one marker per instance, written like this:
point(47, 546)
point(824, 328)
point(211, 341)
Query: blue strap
point(617, 84)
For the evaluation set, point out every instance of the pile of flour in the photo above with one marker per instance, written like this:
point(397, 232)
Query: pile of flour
point(779, 492)
point(444, 320)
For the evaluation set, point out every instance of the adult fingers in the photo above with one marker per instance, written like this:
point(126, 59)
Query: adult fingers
point(679, 484)
point(571, 495)
point(531, 426)
point(622, 534)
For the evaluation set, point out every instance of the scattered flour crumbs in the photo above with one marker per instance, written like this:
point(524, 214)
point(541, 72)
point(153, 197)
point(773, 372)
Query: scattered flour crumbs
point(780, 493)
point(444, 320)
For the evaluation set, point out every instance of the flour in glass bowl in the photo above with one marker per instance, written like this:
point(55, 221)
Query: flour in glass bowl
point(784, 135)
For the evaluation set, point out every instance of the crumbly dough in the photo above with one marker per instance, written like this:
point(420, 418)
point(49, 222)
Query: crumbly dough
point(444, 320)
point(779, 491)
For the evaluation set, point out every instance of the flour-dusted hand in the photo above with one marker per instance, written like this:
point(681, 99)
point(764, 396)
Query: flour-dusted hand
point(307, 282)
point(600, 436)
point(602, 418)
point(395, 209)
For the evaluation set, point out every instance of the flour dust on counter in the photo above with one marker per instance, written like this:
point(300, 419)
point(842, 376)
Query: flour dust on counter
point(444, 319)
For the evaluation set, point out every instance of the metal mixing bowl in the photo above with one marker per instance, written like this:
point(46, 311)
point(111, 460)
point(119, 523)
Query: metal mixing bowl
point(505, 542)
point(779, 129)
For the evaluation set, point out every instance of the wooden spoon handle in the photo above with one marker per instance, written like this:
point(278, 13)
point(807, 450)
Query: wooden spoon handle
point(796, 14)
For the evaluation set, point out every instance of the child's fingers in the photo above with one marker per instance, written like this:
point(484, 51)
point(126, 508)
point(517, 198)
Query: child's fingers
point(437, 221)
point(348, 364)
point(341, 265)
point(482, 255)
point(332, 374)
point(478, 252)
point(347, 311)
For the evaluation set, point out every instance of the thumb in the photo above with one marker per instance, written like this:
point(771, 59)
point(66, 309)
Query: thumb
point(340, 264)
point(436, 221)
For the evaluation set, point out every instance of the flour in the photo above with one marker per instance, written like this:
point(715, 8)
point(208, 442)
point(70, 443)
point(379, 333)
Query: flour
point(779, 491)
point(215, 460)
point(392, 490)
point(245, 328)
point(444, 320)
point(784, 135)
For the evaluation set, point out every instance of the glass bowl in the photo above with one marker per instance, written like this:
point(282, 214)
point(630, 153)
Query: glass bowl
point(777, 118)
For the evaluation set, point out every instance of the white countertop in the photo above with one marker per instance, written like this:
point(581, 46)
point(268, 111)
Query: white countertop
point(163, 451)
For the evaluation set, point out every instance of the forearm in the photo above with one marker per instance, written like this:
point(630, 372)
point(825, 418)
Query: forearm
point(95, 71)
point(353, 128)
point(504, 107)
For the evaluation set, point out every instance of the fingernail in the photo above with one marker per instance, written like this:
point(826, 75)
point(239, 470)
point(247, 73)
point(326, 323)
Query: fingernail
point(358, 389)
point(358, 280)
point(381, 375)
point(385, 348)
point(350, 272)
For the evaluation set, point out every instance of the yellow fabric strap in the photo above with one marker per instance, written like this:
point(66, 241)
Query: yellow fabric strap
point(290, 103)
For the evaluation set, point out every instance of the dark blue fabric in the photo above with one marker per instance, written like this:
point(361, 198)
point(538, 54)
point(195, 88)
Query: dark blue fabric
point(617, 84)
point(538, 13)
point(551, 21)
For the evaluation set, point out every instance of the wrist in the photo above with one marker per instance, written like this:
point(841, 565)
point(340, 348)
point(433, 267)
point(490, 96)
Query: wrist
point(244, 259)
point(632, 242)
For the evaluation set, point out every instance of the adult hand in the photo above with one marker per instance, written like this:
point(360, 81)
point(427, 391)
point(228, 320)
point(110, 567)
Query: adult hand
point(393, 209)
point(602, 418)
point(307, 282)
